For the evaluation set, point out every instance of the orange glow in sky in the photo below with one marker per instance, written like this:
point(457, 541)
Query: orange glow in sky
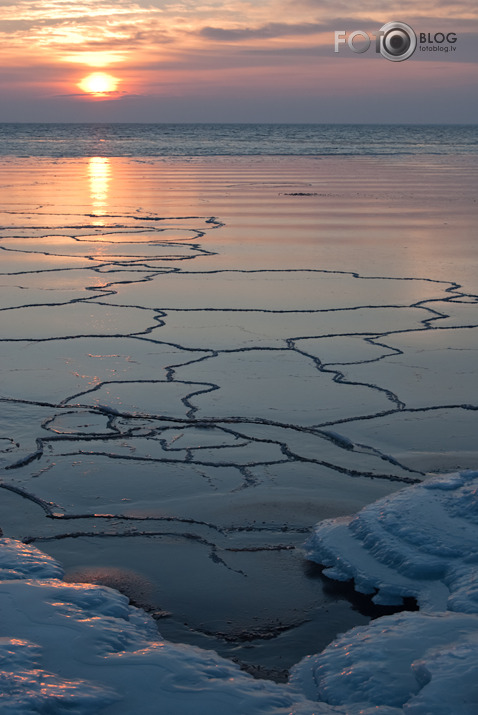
point(235, 60)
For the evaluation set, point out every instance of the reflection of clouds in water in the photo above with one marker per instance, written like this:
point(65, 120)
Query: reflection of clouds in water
point(99, 172)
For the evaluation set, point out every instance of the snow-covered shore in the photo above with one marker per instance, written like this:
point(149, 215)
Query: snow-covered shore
point(84, 649)
point(420, 542)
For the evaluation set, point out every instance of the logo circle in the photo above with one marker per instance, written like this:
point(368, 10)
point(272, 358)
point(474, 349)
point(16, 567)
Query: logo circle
point(397, 41)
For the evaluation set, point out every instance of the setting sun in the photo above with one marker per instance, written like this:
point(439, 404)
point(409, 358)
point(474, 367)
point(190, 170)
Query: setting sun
point(99, 84)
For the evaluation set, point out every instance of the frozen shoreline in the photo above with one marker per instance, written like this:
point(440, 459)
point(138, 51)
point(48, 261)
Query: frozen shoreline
point(82, 646)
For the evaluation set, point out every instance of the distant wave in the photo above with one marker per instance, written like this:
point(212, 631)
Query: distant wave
point(176, 140)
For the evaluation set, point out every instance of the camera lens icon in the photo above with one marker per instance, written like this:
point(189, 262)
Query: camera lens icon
point(397, 41)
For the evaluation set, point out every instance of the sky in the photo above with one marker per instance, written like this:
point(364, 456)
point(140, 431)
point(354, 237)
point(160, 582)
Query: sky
point(234, 61)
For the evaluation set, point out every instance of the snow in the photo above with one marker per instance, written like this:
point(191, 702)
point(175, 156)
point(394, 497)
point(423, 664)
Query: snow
point(420, 542)
point(420, 663)
point(82, 648)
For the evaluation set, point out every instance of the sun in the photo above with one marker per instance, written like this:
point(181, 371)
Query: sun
point(99, 84)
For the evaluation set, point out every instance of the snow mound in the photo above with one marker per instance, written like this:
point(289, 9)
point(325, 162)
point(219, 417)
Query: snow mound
point(413, 663)
point(420, 542)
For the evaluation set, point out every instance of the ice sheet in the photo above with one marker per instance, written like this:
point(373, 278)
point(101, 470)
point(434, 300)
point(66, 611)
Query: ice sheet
point(215, 354)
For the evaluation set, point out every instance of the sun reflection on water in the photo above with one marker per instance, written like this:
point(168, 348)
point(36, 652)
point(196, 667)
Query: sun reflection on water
point(99, 172)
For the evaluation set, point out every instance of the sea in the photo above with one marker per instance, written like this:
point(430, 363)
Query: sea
point(180, 140)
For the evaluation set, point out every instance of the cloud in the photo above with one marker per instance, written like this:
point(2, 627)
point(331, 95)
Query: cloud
point(195, 48)
point(93, 32)
point(268, 31)
point(129, 41)
point(394, 10)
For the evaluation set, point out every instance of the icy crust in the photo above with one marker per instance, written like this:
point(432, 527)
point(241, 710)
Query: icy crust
point(81, 648)
point(420, 542)
point(410, 663)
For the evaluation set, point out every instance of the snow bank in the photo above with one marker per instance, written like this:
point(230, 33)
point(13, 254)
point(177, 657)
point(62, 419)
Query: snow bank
point(416, 663)
point(420, 542)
